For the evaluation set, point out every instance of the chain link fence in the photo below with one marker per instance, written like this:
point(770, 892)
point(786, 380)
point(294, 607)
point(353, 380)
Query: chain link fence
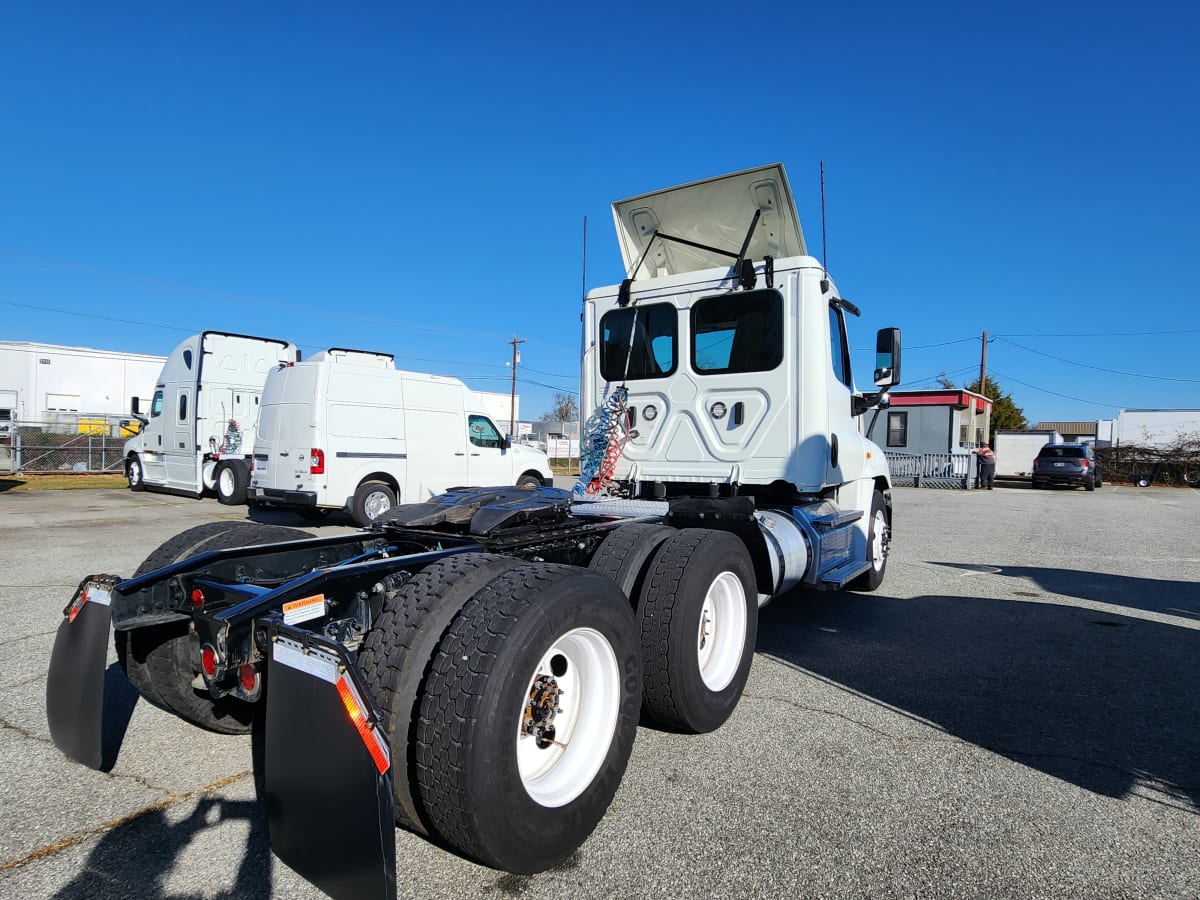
point(69, 442)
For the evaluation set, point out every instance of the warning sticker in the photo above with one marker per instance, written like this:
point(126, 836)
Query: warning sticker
point(304, 609)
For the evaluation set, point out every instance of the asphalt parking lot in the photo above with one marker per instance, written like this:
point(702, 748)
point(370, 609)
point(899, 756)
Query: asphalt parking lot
point(1015, 713)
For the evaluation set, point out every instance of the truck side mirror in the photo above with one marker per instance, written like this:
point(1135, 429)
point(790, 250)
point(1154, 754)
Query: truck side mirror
point(887, 357)
point(135, 406)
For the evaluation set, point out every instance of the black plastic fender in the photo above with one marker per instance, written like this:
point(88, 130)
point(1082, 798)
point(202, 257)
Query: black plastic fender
point(75, 681)
point(328, 774)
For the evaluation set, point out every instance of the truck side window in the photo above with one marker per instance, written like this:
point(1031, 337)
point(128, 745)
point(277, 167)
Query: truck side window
point(740, 332)
point(183, 407)
point(156, 405)
point(483, 433)
point(653, 328)
point(837, 347)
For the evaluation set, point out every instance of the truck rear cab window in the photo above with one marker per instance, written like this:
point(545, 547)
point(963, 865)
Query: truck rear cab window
point(483, 433)
point(738, 332)
point(654, 330)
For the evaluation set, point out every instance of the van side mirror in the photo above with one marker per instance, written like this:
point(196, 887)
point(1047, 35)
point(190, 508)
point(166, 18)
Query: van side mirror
point(506, 442)
point(887, 357)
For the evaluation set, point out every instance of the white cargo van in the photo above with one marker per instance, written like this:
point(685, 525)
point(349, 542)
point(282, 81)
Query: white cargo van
point(346, 430)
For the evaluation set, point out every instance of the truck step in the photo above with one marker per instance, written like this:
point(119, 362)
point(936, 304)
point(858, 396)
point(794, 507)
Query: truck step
point(837, 578)
point(625, 508)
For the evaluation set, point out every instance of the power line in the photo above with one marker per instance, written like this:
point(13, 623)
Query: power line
point(1104, 333)
point(1099, 368)
point(1056, 394)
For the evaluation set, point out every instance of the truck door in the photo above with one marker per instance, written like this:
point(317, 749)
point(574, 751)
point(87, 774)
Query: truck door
point(488, 462)
point(846, 447)
point(179, 452)
point(152, 440)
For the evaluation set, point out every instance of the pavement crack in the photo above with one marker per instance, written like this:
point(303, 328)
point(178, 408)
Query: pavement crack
point(167, 802)
point(27, 637)
point(899, 738)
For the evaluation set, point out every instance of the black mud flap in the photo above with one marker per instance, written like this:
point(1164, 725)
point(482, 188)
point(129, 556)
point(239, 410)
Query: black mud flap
point(328, 769)
point(75, 682)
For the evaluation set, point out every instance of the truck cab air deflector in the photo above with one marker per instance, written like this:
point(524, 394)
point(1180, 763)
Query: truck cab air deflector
point(713, 213)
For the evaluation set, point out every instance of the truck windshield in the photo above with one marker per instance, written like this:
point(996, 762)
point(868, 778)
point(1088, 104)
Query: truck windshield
point(653, 331)
point(739, 332)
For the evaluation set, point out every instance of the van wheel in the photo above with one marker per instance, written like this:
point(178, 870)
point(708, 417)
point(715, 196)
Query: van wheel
point(160, 661)
point(231, 480)
point(698, 616)
point(528, 716)
point(134, 473)
point(530, 480)
point(371, 500)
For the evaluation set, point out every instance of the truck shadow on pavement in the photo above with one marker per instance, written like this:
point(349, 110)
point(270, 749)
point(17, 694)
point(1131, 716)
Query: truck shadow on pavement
point(1107, 699)
point(137, 857)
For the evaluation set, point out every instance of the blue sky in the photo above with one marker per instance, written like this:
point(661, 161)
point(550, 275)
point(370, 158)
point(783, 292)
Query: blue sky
point(414, 180)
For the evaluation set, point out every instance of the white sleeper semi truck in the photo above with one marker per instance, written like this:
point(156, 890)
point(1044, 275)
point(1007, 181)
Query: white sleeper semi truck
point(198, 434)
point(473, 666)
point(346, 430)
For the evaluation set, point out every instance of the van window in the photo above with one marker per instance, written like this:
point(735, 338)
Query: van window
point(156, 405)
point(653, 329)
point(483, 433)
point(740, 332)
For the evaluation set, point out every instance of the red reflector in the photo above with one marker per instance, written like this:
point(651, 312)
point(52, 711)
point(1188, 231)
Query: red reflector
point(358, 715)
point(76, 607)
point(316, 461)
point(198, 598)
point(208, 660)
point(248, 678)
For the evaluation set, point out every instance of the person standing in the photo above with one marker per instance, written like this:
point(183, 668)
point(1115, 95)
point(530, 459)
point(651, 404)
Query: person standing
point(987, 466)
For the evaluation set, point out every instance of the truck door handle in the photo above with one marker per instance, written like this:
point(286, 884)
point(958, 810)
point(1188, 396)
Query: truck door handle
point(739, 410)
point(283, 453)
point(460, 453)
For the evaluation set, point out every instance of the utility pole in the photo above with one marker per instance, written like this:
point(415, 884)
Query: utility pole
point(512, 403)
point(987, 431)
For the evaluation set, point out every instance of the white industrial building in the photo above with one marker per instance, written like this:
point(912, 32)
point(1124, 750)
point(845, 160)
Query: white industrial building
point(42, 382)
point(1151, 427)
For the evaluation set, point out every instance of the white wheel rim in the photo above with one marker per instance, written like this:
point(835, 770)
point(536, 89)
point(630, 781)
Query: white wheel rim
point(377, 503)
point(878, 554)
point(135, 472)
point(721, 634)
point(584, 669)
point(225, 482)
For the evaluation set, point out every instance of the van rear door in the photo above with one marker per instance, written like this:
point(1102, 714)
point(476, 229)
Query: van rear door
point(437, 437)
point(286, 430)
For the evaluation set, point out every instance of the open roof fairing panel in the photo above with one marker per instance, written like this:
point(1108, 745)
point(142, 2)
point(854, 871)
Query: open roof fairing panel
point(716, 212)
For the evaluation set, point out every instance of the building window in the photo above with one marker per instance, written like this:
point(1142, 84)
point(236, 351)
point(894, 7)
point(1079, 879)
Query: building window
point(897, 435)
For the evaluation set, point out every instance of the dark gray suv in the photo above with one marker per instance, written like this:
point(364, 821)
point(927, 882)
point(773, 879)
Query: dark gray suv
point(1069, 464)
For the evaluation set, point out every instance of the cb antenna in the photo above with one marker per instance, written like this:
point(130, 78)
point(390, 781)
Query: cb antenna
point(824, 266)
point(583, 294)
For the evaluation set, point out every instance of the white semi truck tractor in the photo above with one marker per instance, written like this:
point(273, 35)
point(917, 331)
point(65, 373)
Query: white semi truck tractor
point(473, 667)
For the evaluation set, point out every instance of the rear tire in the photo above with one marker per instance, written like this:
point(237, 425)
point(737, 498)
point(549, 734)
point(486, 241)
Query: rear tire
point(542, 644)
point(135, 474)
point(624, 553)
point(1090, 484)
point(371, 500)
point(160, 661)
point(396, 654)
point(232, 479)
point(698, 617)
